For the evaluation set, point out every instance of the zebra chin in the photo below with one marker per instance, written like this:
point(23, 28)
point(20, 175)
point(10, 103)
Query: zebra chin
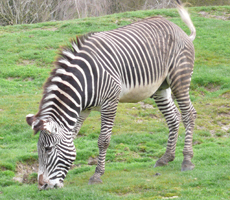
point(49, 184)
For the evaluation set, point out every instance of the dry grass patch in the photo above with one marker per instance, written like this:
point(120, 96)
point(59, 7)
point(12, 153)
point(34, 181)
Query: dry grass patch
point(223, 16)
point(26, 172)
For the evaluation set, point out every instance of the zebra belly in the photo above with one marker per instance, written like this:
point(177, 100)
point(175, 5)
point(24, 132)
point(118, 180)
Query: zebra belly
point(138, 93)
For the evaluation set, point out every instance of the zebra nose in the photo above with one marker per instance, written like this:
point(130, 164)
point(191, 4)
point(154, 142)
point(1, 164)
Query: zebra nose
point(40, 180)
point(43, 187)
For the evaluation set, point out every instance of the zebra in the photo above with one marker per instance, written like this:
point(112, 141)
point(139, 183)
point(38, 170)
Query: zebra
point(149, 58)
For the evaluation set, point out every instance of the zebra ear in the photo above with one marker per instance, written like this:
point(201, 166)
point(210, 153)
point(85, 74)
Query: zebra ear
point(30, 119)
point(36, 124)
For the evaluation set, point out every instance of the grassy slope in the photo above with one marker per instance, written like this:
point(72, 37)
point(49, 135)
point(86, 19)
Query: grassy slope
point(139, 136)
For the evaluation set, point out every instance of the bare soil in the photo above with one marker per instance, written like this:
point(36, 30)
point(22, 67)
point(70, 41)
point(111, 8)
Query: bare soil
point(27, 173)
point(225, 16)
point(145, 106)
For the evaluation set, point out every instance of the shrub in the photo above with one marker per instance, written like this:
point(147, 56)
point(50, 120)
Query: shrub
point(34, 11)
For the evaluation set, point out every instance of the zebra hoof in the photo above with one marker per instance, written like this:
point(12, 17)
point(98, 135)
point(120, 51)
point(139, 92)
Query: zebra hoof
point(95, 180)
point(164, 160)
point(187, 165)
point(160, 163)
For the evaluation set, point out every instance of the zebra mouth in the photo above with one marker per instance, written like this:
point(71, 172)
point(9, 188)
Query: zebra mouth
point(44, 187)
point(47, 186)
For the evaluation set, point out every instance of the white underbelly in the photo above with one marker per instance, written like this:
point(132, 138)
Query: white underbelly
point(138, 93)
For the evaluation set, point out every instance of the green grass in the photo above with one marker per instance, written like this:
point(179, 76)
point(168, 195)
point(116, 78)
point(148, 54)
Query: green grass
point(139, 135)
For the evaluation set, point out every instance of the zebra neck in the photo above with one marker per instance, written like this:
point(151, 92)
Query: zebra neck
point(60, 106)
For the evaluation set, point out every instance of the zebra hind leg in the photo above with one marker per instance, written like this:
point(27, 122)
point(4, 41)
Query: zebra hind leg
point(188, 118)
point(108, 112)
point(167, 107)
point(180, 82)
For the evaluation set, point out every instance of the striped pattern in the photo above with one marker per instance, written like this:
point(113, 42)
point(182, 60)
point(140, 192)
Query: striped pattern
point(149, 58)
point(56, 154)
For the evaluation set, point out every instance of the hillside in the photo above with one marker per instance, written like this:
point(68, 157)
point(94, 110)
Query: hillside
point(140, 132)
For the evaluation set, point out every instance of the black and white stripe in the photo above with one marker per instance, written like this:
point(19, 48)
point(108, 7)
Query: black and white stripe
point(56, 154)
point(149, 58)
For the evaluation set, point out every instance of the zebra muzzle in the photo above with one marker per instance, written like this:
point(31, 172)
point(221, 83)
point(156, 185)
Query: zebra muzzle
point(44, 186)
point(41, 184)
point(40, 180)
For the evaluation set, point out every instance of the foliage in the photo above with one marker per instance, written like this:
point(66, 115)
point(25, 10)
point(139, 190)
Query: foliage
point(34, 11)
point(139, 135)
point(208, 2)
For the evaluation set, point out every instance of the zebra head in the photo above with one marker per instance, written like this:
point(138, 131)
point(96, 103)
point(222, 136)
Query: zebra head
point(56, 152)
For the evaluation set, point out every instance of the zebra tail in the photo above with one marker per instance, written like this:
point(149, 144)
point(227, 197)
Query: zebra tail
point(186, 19)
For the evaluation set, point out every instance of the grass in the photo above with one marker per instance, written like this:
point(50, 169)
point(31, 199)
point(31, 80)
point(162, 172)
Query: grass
point(139, 135)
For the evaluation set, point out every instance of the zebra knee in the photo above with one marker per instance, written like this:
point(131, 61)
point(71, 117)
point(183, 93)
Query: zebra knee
point(103, 143)
point(177, 114)
point(194, 113)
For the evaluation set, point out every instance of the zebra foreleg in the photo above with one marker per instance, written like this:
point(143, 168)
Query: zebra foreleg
point(166, 105)
point(108, 112)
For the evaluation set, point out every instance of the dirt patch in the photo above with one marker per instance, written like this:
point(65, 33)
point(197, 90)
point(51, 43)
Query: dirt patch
point(145, 106)
point(3, 168)
point(213, 133)
point(92, 161)
point(26, 173)
point(12, 78)
point(27, 62)
point(154, 116)
point(226, 95)
point(173, 197)
point(226, 128)
point(224, 16)
point(16, 78)
point(200, 127)
point(119, 22)
point(28, 79)
point(224, 114)
point(50, 29)
point(196, 142)
point(212, 88)
point(139, 121)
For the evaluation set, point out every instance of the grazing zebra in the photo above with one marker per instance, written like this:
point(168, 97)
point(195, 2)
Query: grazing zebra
point(149, 58)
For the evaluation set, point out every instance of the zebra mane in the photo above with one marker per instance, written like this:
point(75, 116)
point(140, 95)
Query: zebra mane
point(73, 48)
point(66, 53)
point(83, 38)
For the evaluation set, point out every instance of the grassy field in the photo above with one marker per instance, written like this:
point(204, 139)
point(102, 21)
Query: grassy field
point(140, 132)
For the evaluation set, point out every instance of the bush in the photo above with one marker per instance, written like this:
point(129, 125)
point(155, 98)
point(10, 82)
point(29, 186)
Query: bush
point(34, 11)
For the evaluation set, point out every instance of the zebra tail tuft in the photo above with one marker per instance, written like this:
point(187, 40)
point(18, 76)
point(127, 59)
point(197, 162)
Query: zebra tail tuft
point(186, 19)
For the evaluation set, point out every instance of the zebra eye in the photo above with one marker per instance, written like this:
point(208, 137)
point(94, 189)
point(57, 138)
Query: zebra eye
point(48, 149)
